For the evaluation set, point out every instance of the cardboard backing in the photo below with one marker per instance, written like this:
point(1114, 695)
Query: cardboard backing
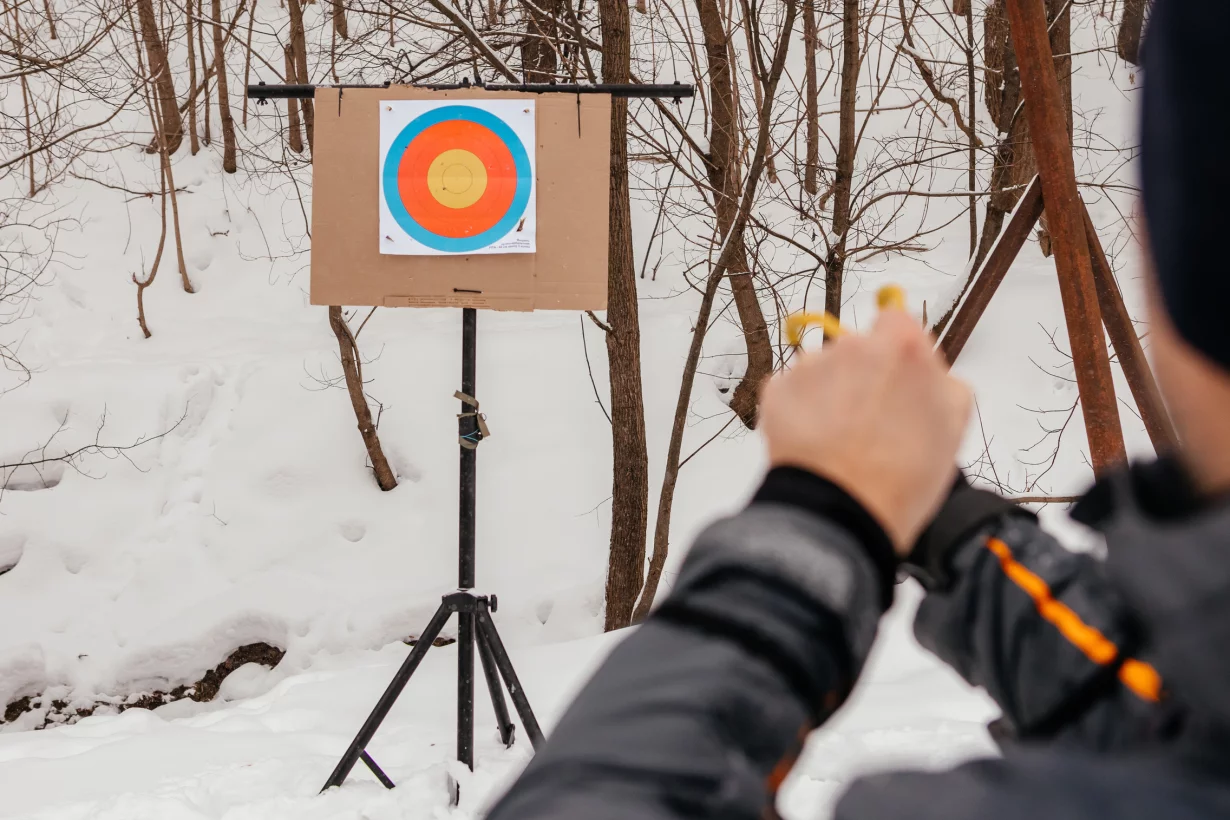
point(569, 269)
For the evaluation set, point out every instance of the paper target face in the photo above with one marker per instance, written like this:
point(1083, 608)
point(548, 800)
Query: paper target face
point(457, 177)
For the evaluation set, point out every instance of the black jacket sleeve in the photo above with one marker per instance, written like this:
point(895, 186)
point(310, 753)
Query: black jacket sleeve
point(702, 710)
point(1039, 627)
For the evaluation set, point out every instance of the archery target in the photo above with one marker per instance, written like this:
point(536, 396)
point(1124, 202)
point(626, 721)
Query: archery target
point(457, 178)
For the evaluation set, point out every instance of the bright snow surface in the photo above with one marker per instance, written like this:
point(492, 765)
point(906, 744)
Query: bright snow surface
point(266, 756)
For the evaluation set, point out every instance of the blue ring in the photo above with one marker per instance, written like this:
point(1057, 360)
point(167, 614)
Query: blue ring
point(467, 244)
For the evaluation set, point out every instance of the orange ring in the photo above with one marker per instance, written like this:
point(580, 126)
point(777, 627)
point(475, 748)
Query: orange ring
point(433, 215)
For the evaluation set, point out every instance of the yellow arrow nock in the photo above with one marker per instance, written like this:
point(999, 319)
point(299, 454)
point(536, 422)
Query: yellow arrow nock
point(889, 297)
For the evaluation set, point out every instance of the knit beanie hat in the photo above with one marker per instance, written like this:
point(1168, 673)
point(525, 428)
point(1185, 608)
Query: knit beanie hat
point(1185, 160)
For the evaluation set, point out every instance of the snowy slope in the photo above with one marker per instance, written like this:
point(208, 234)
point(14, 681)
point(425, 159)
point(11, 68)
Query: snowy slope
point(266, 756)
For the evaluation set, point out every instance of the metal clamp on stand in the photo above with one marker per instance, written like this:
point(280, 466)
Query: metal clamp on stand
point(471, 440)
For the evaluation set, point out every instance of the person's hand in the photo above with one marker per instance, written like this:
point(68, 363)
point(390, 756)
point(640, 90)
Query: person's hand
point(878, 415)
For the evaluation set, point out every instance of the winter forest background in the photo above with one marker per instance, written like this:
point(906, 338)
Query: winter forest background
point(190, 521)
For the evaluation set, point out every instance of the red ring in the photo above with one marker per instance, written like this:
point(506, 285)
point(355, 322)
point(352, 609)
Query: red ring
point(426, 210)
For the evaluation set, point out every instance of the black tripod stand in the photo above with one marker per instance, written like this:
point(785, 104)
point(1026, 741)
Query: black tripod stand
point(474, 624)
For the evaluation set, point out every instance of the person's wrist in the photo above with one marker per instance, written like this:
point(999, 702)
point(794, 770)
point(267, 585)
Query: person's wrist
point(806, 489)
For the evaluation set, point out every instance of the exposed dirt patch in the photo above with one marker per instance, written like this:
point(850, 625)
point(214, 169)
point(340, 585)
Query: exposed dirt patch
point(59, 712)
point(436, 642)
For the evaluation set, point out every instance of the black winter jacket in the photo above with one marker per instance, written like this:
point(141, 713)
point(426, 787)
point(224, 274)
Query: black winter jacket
point(1113, 677)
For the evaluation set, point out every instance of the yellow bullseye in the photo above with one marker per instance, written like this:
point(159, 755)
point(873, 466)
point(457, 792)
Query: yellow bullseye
point(456, 178)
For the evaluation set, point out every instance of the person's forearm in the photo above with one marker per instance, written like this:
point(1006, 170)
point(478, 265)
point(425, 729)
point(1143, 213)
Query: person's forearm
point(701, 711)
point(1035, 625)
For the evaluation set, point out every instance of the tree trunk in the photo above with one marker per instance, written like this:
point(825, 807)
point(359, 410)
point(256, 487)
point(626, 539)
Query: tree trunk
point(971, 113)
point(1130, 27)
point(298, 42)
point(340, 26)
point(207, 137)
point(194, 141)
point(725, 177)
point(163, 162)
point(294, 131)
point(19, 48)
point(538, 58)
point(160, 73)
point(51, 20)
point(247, 61)
point(811, 99)
point(835, 263)
point(1012, 165)
point(630, 487)
point(661, 533)
point(224, 103)
point(348, 349)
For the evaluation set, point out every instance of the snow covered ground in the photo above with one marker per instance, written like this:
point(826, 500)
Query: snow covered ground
point(266, 756)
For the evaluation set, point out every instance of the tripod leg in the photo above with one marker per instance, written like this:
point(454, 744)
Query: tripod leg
point(504, 664)
point(507, 727)
point(465, 688)
point(376, 770)
point(359, 744)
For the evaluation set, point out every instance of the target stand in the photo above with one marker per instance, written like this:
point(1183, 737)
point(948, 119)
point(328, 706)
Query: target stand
point(457, 182)
point(475, 628)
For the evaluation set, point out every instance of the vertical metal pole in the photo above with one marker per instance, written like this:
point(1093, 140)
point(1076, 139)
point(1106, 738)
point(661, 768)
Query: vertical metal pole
point(467, 426)
point(1048, 128)
point(469, 456)
point(994, 268)
point(1131, 356)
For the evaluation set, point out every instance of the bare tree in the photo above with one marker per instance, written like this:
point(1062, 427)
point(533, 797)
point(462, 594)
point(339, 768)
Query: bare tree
point(340, 27)
point(1131, 25)
point(160, 71)
point(724, 173)
point(630, 485)
point(770, 75)
point(294, 129)
point(811, 99)
point(352, 368)
point(298, 43)
point(835, 263)
point(190, 21)
point(224, 102)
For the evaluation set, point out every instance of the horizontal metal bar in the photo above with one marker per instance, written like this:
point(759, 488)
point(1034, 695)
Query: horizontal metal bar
point(261, 91)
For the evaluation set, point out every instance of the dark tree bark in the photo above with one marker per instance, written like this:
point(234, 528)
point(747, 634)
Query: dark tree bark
point(971, 113)
point(247, 61)
point(340, 26)
point(348, 349)
point(1130, 27)
point(538, 58)
point(194, 141)
point(224, 100)
point(51, 20)
point(294, 129)
point(298, 42)
point(835, 263)
point(811, 99)
point(725, 177)
point(630, 486)
point(160, 72)
point(207, 137)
